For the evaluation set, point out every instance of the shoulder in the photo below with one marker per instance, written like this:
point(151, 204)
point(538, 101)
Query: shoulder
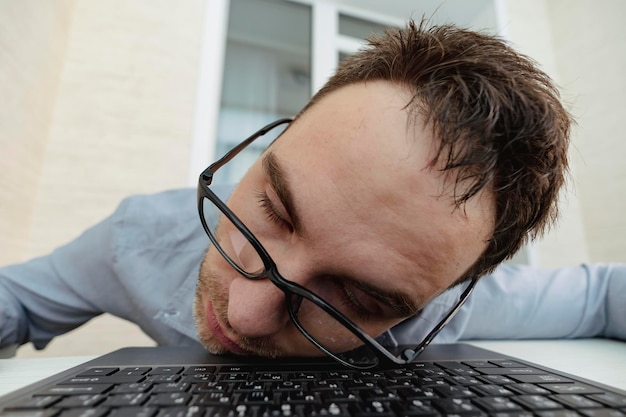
point(164, 220)
point(156, 206)
point(177, 205)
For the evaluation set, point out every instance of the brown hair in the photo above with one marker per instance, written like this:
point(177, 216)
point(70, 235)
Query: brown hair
point(499, 120)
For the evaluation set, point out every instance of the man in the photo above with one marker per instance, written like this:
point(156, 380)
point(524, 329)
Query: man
point(427, 160)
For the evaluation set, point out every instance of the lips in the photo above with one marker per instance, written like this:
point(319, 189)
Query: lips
point(219, 334)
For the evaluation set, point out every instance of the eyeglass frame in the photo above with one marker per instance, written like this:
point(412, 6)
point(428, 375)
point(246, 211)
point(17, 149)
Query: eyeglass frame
point(291, 289)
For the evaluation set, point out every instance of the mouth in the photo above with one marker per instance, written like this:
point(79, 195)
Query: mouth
point(218, 332)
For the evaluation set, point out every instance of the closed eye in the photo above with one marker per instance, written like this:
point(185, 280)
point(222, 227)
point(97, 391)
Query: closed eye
point(360, 305)
point(272, 213)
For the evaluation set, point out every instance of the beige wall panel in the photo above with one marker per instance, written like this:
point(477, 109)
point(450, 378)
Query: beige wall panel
point(124, 111)
point(529, 27)
point(591, 52)
point(122, 125)
point(33, 37)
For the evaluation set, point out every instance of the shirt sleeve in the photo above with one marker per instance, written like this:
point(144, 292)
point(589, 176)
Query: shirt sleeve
point(54, 294)
point(522, 302)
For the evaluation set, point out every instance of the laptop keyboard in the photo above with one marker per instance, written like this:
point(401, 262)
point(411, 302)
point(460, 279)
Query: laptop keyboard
point(476, 388)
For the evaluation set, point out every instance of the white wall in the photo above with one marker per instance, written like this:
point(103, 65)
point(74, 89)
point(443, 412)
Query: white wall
point(124, 112)
point(33, 39)
point(580, 44)
point(590, 49)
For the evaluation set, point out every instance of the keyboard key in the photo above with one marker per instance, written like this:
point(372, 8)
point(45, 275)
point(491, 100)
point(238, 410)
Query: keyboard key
point(510, 371)
point(84, 412)
point(29, 413)
point(415, 408)
point(215, 398)
point(496, 379)
point(528, 389)
point(337, 396)
point(171, 387)
point(298, 397)
point(498, 404)
point(192, 370)
point(76, 389)
point(328, 409)
point(250, 386)
point(133, 412)
point(126, 400)
point(454, 391)
point(258, 397)
point(455, 368)
point(508, 363)
point(131, 388)
point(610, 399)
point(198, 377)
point(493, 390)
point(75, 401)
point(602, 412)
point(480, 364)
point(457, 406)
point(558, 413)
point(102, 371)
point(378, 394)
point(417, 393)
point(181, 412)
point(169, 399)
point(576, 401)
point(287, 410)
point(104, 379)
point(575, 388)
point(162, 379)
point(136, 370)
point(371, 409)
point(35, 403)
point(168, 370)
point(538, 379)
point(464, 380)
point(537, 402)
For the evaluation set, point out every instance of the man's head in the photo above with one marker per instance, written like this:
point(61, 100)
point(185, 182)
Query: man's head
point(497, 118)
point(428, 158)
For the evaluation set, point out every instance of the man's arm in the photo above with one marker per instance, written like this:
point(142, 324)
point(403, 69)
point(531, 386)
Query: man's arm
point(140, 264)
point(521, 302)
point(53, 294)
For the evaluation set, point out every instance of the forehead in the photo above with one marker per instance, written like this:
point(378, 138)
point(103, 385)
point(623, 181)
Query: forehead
point(358, 169)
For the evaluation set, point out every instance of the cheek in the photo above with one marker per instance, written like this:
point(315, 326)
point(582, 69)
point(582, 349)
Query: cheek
point(215, 272)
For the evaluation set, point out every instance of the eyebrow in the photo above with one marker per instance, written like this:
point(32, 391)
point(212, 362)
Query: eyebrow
point(401, 303)
point(278, 180)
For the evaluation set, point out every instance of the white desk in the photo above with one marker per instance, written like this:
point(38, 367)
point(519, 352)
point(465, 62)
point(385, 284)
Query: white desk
point(596, 359)
point(600, 360)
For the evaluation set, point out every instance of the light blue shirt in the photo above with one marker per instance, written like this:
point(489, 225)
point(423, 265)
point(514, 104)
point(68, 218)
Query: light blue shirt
point(142, 263)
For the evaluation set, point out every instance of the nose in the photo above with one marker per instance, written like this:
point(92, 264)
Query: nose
point(256, 308)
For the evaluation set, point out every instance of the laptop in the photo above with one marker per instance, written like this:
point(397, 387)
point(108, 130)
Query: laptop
point(446, 380)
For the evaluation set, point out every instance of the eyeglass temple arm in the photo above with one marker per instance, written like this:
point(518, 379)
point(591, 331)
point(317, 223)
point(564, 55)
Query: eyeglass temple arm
point(234, 151)
point(410, 354)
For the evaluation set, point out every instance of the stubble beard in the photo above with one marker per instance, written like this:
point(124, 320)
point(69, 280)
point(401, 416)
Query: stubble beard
point(208, 287)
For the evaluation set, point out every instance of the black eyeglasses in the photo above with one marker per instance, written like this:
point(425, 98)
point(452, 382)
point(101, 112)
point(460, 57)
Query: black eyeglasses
point(325, 325)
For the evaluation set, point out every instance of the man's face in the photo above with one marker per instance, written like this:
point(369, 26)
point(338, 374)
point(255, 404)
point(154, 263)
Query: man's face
point(353, 209)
